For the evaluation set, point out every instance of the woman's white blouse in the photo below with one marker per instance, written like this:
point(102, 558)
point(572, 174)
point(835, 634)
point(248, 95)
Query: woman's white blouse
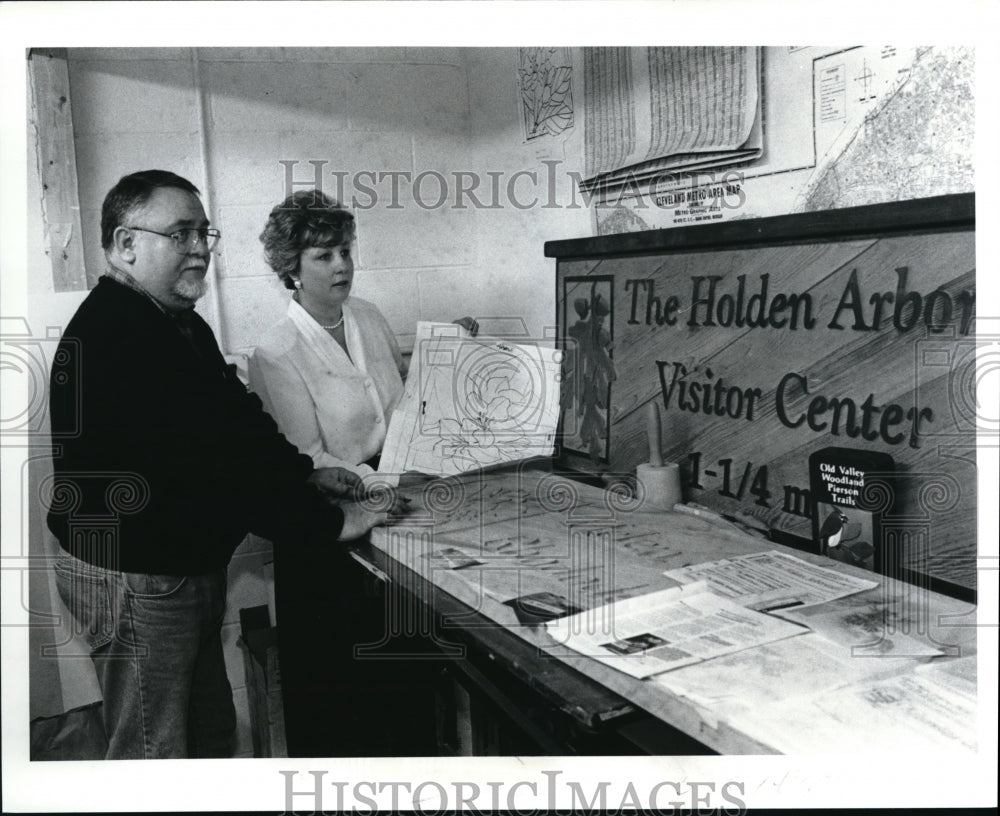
point(332, 407)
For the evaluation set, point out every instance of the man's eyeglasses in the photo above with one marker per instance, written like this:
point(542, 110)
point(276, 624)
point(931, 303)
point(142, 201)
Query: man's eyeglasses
point(185, 240)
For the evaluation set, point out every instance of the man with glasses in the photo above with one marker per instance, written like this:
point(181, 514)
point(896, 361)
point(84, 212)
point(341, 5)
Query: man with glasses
point(163, 463)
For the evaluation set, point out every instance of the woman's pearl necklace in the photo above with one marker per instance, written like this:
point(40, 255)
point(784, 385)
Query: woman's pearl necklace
point(334, 327)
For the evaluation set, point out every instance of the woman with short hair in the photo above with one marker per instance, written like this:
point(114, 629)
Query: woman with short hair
point(330, 373)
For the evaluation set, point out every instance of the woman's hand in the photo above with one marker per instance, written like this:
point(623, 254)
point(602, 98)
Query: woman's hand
point(469, 324)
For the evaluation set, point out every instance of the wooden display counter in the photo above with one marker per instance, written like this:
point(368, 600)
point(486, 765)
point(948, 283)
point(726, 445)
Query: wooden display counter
point(532, 531)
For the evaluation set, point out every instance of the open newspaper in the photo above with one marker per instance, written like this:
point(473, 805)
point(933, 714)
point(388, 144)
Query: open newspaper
point(472, 402)
point(665, 630)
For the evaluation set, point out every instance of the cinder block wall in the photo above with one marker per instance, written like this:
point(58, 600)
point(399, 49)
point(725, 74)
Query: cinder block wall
point(228, 118)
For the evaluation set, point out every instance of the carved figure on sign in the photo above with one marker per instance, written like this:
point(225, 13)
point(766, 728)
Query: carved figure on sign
point(589, 372)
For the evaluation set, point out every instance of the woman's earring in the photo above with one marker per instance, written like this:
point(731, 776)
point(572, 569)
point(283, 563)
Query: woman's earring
point(298, 284)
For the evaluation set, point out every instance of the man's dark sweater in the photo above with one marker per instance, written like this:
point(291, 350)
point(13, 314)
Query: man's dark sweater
point(163, 461)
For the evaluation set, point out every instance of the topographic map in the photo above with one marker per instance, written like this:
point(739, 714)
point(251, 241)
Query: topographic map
point(917, 141)
point(843, 127)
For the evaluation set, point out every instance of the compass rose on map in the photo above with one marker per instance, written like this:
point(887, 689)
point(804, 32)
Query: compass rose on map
point(865, 80)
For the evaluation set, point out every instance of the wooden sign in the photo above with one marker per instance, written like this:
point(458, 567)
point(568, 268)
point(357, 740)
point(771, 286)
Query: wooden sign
point(766, 340)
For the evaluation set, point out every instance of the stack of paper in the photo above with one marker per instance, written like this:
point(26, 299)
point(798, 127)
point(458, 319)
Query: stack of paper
point(653, 114)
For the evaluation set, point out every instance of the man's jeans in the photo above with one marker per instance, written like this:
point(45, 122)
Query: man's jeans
point(156, 644)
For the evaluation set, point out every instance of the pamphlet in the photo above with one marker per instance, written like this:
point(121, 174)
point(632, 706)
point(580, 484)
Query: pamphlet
point(850, 490)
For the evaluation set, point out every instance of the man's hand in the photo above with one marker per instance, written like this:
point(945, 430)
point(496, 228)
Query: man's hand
point(358, 521)
point(469, 324)
point(336, 483)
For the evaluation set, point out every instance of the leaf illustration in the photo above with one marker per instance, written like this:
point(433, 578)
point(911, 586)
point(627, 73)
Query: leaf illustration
point(561, 82)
